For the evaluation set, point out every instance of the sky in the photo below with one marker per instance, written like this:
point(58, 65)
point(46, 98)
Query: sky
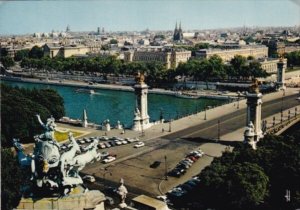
point(22, 17)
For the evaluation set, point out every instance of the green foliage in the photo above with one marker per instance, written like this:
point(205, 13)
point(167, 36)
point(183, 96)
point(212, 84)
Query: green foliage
point(159, 36)
point(253, 179)
point(7, 61)
point(11, 178)
point(19, 107)
point(21, 54)
point(113, 41)
point(293, 58)
point(36, 52)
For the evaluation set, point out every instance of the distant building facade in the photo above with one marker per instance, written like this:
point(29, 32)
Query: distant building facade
point(64, 51)
point(257, 51)
point(270, 65)
point(171, 58)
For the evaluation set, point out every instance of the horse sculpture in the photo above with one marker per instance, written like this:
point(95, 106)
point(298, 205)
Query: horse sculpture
point(68, 156)
point(89, 156)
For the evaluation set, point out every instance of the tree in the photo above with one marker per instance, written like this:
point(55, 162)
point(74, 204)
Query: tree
point(7, 61)
point(11, 179)
point(36, 52)
point(246, 186)
point(19, 107)
point(113, 41)
point(21, 54)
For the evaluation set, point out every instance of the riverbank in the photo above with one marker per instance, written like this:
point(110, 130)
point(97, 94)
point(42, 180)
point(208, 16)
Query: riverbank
point(72, 83)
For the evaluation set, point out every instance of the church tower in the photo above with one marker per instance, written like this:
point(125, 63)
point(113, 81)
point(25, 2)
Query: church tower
point(178, 35)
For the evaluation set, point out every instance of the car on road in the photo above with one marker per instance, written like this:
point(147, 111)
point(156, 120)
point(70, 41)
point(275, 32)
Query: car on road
point(155, 164)
point(109, 159)
point(88, 178)
point(107, 145)
point(81, 141)
point(298, 98)
point(118, 143)
point(139, 144)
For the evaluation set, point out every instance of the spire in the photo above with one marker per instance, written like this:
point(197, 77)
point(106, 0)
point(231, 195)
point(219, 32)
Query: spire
point(176, 26)
point(180, 25)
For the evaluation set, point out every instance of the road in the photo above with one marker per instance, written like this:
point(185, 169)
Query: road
point(233, 121)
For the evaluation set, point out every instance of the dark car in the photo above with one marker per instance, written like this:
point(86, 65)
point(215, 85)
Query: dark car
point(112, 143)
point(155, 164)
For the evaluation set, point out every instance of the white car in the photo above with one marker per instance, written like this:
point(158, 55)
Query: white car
point(109, 159)
point(298, 99)
point(88, 178)
point(139, 144)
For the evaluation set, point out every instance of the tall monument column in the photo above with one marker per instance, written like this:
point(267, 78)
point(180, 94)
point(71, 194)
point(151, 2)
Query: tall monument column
point(254, 102)
point(141, 119)
point(84, 119)
point(281, 66)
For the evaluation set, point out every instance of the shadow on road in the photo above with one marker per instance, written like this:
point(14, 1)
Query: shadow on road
point(205, 140)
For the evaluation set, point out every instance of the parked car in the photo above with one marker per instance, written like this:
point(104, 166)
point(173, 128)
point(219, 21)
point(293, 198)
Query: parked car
point(107, 145)
point(118, 143)
point(88, 178)
point(109, 159)
point(139, 144)
point(82, 141)
point(155, 164)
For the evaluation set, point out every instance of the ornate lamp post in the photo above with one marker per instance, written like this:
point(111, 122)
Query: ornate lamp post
point(166, 169)
point(205, 112)
point(238, 102)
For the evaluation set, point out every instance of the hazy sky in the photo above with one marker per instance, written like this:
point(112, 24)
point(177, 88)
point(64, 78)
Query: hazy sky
point(20, 17)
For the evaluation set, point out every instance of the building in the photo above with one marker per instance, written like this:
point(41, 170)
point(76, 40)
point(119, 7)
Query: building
point(170, 57)
point(178, 35)
point(270, 65)
point(257, 51)
point(55, 50)
point(147, 203)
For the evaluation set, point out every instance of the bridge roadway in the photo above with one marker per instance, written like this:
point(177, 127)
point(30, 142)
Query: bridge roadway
point(233, 121)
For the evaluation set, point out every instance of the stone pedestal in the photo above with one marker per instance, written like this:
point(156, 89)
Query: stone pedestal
point(76, 201)
point(254, 102)
point(281, 66)
point(84, 119)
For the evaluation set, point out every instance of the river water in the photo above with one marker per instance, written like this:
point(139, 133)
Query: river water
point(119, 105)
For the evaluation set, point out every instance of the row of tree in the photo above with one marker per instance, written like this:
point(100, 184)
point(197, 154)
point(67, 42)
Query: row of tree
point(252, 179)
point(214, 69)
point(19, 108)
point(293, 58)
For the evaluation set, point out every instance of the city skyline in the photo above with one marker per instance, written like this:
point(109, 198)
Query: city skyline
point(132, 15)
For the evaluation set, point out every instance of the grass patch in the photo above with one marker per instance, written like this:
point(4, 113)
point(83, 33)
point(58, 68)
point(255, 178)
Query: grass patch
point(64, 136)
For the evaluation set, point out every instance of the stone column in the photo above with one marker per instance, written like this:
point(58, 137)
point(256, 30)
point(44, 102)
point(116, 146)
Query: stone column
point(281, 66)
point(253, 123)
point(84, 120)
point(141, 113)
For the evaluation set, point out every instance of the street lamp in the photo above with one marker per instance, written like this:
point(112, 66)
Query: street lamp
point(219, 133)
point(166, 169)
point(238, 102)
point(205, 112)
point(170, 125)
point(281, 110)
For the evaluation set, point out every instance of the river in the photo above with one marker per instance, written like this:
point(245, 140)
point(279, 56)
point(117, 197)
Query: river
point(119, 105)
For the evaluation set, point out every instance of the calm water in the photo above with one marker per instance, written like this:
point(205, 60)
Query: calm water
point(119, 105)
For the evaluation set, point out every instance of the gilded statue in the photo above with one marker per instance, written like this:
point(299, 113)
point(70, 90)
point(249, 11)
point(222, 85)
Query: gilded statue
point(254, 88)
point(140, 78)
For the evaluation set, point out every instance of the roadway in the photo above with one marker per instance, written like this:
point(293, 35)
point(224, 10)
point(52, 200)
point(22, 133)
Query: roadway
point(233, 121)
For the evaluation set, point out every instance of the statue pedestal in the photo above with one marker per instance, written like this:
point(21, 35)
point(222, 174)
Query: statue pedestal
point(93, 199)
